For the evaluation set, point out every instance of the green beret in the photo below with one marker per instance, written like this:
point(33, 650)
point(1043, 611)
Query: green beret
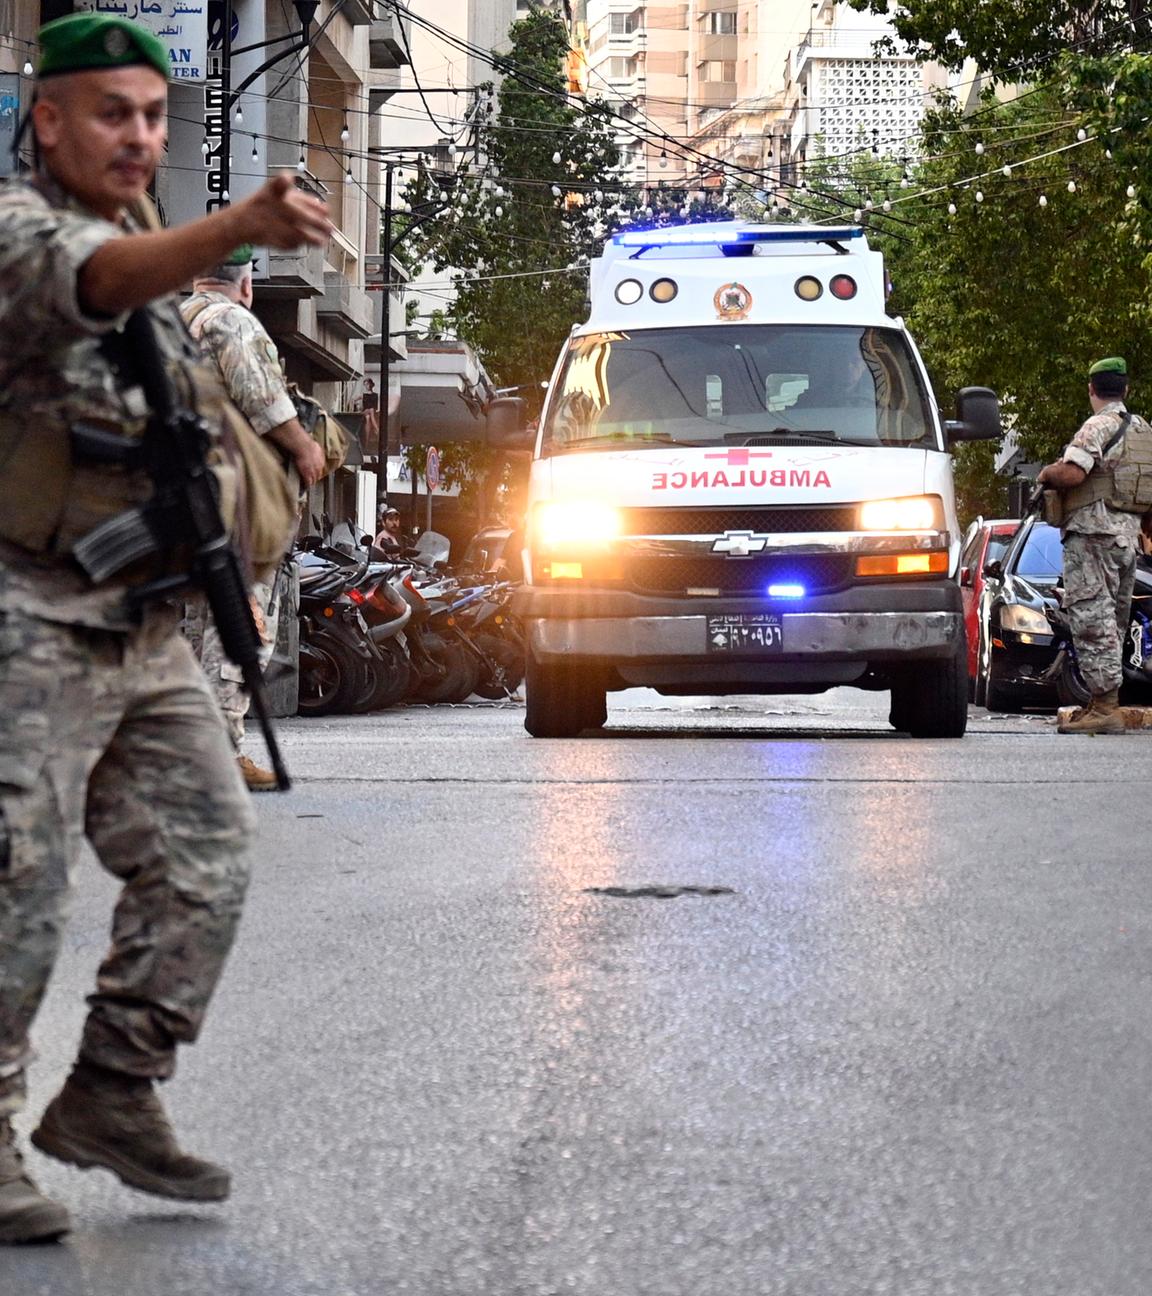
point(240, 256)
point(1113, 364)
point(90, 42)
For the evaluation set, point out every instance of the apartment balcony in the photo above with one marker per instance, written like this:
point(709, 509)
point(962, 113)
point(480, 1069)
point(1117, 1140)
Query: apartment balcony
point(345, 309)
point(386, 41)
point(294, 274)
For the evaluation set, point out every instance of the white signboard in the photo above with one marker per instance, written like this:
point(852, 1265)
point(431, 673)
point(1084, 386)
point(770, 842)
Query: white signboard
point(180, 25)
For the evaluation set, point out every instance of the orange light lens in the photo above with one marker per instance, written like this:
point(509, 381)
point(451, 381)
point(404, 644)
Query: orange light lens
point(567, 571)
point(917, 564)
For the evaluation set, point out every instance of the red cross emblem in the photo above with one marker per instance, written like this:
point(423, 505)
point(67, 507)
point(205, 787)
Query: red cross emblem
point(740, 456)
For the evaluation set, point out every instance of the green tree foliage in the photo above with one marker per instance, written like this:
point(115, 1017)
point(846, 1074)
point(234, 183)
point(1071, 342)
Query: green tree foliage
point(1014, 40)
point(533, 206)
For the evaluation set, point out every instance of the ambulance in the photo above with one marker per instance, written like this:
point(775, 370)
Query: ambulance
point(741, 484)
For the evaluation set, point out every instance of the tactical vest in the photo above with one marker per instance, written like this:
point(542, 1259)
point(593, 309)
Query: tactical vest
point(52, 493)
point(1124, 483)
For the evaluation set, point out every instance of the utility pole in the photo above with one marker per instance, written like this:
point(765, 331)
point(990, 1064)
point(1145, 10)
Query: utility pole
point(385, 445)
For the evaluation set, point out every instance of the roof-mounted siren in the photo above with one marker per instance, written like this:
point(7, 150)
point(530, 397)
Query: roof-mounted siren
point(735, 238)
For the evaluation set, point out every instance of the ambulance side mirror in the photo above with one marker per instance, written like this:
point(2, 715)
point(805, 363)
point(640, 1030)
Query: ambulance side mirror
point(508, 424)
point(977, 416)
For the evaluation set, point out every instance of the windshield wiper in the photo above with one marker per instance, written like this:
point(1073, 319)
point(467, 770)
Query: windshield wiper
point(622, 439)
point(825, 436)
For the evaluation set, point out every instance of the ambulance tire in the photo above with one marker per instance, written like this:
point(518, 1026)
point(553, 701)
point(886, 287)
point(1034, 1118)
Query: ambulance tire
point(562, 699)
point(930, 699)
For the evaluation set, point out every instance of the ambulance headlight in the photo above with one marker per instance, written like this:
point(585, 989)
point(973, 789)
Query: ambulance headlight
point(912, 513)
point(629, 291)
point(576, 524)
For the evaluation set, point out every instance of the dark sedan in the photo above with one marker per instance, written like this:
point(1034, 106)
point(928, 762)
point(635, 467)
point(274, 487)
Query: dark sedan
point(1016, 645)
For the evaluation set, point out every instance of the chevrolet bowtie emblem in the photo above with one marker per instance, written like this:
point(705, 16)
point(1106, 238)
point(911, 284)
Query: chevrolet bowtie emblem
point(738, 544)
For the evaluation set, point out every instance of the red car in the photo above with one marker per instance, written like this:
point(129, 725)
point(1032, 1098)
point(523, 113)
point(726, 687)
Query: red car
point(985, 541)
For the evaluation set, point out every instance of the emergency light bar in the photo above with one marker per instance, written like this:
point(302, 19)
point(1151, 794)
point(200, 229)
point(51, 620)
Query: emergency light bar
point(730, 232)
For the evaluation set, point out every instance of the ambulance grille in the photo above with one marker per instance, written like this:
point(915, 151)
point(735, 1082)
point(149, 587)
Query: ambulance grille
point(818, 573)
point(715, 521)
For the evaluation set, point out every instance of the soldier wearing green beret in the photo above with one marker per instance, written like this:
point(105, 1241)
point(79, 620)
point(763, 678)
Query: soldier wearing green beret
point(220, 318)
point(108, 729)
point(1101, 541)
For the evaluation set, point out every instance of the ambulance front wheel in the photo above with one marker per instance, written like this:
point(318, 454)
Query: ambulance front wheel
point(563, 699)
point(930, 699)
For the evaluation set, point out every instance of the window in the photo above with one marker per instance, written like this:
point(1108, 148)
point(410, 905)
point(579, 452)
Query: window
point(621, 69)
point(723, 386)
point(621, 24)
point(720, 24)
point(717, 70)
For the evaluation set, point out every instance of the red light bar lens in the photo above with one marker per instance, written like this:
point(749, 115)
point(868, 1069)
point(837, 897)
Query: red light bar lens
point(843, 286)
point(356, 596)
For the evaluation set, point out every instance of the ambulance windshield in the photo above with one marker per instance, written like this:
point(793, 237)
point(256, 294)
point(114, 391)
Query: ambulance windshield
point(739, 384)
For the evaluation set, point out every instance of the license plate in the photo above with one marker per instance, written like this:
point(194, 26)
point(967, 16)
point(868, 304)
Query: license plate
point(746, 632)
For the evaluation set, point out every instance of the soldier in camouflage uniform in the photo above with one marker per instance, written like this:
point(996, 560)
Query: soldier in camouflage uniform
point(107, 727)
point(1100, 548)
point(220, 318)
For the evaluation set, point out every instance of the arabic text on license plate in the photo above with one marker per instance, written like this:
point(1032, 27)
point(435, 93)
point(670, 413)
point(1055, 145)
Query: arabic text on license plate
point(749, 632)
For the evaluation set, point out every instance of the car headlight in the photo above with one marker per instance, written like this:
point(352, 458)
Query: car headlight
point(1023, 619)
point(576, 524)
point(912, 513)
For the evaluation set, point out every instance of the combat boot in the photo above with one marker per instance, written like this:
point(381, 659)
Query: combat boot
point(1102, 716)
point(104, 1118)
point(257, 779)
point(26, 1215)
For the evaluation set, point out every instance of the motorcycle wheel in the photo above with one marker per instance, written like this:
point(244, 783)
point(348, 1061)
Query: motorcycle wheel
point(461, 671)
point(393, 676)
point(321, 680)
point(509, 663)
point(1070, 687)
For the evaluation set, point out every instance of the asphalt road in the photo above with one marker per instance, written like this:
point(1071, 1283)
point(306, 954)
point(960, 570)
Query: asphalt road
point(907, 1051)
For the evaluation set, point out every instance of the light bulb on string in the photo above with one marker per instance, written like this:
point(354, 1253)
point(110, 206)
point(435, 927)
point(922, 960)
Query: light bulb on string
point(1131, 191)
point(28, 68)
point(555, 191)
point(302, 165)
point(979, 148)
point(239, 117)
point(348, 176)
point(887, 205)
point(205, 148)
point(951, 209)
point(1071, 186)
point(499, 211)
point(345, 134)
point(1043, 200)
point(904, 182)
point(1108, 154)
point(1081, 134)
point(1006, 172)
point(556, 157)
point(226, 196)
point(255, 154)
point(857, 215)
point(979, 196)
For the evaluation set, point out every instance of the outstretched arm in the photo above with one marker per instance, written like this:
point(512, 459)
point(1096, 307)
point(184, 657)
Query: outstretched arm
point(126, 273)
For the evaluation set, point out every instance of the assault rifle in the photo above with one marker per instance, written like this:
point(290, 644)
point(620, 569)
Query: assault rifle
point(183, 515)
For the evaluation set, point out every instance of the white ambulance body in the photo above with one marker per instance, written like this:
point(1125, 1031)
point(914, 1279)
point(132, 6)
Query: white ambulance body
point(741, 484)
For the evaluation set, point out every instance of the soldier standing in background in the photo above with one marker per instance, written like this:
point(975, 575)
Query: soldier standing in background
point(219, 316)
point(1100, 545)
point(107, 726)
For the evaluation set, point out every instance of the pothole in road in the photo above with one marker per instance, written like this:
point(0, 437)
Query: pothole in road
point(655, 891)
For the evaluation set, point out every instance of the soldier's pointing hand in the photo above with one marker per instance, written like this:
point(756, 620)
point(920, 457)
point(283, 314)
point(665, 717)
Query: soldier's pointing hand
point(280, 215)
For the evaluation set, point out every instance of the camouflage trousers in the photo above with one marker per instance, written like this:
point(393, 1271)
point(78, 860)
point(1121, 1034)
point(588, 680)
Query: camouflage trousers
point(225, 676)
point(115, 737)
point(1099, 571)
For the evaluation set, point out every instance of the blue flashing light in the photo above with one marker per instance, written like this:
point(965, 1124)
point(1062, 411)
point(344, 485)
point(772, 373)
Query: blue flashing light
point(786, 591)
point(728, 232)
